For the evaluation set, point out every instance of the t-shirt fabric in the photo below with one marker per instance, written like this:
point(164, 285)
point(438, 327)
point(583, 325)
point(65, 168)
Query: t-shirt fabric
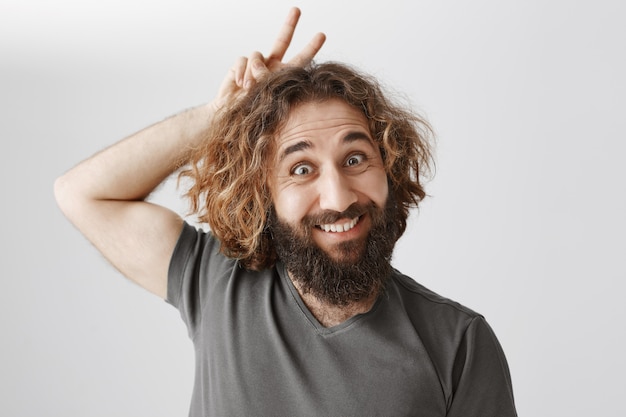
point(260, 352)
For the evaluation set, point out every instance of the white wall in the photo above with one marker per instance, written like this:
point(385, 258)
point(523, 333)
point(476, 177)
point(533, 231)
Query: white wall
point(525, 224)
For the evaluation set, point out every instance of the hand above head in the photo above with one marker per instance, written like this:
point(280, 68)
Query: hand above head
point(111, 211)
point(247, 70)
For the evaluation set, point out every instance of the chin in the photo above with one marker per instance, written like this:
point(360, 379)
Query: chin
point(347, 253)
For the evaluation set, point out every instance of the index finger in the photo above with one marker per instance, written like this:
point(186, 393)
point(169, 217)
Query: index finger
point(285, 35)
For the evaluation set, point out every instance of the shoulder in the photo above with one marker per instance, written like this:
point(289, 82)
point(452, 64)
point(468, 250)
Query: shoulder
point(198, 247)
point(459, 342)
point(196, 257)
point(464, 350)
point(419, 297)
point(198, 261)
point(202, 280)
point(441, 323)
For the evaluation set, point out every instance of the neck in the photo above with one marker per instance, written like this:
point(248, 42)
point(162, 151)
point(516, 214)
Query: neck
point(330, 315)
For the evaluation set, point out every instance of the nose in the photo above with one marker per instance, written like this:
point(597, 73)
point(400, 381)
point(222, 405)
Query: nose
point(336, 191)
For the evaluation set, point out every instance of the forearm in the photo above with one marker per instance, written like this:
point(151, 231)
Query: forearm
point(132, 168)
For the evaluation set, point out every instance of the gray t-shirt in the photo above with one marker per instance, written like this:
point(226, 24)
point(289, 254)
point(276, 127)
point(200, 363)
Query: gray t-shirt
point(260, 352)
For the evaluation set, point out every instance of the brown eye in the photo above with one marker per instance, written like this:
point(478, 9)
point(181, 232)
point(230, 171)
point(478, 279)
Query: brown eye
point(355, 160)
point(302, 169)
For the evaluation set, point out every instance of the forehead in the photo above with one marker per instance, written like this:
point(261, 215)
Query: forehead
point(319, 119)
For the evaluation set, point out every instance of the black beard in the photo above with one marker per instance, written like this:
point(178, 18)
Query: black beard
point(362, 267)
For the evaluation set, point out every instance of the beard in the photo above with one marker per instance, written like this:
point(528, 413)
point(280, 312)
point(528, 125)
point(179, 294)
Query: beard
point(356, 270)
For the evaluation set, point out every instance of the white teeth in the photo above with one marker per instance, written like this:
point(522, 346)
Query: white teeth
point(339, 227)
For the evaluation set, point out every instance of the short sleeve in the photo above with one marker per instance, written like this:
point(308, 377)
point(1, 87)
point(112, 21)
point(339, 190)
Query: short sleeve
point(482, 380)
point(185, 249)
point(195, 260)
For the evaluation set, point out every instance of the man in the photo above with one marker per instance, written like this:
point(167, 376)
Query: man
point(305, 174)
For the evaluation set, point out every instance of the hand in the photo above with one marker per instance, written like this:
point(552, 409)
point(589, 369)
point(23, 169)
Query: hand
point(247, 70)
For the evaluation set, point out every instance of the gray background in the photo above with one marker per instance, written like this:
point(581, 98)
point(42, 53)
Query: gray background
point(525, 223)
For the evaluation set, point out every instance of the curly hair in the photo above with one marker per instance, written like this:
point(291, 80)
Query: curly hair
point(230, 170)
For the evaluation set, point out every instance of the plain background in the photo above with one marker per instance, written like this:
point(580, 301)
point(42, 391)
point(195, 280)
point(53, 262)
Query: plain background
point(525, 222)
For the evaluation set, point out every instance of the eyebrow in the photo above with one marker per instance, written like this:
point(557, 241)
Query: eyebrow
point(300, 146)
point(354, 136)
point(305, 144)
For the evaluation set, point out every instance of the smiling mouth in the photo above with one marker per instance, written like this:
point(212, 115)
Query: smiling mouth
point(341, 227)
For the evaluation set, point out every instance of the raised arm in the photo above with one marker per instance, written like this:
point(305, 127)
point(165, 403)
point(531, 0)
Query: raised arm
point(104, 196)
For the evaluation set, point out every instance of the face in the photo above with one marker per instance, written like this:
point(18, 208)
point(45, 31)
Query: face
point(328, 171)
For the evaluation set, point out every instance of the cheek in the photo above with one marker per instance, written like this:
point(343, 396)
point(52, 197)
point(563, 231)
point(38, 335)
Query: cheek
point(376, 187)
point(292, 204)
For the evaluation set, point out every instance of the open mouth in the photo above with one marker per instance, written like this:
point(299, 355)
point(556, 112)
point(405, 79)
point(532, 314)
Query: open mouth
point(339, 227)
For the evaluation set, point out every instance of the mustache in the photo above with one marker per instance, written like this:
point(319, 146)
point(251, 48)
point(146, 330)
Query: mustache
point(331, 216)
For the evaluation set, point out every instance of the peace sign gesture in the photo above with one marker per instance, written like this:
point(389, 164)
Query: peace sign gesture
point(247, 70)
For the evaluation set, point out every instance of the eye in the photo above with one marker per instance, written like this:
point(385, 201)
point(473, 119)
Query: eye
point(301, 169)
point(355, 160)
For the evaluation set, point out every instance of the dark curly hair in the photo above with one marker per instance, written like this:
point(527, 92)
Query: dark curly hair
point(230, 170)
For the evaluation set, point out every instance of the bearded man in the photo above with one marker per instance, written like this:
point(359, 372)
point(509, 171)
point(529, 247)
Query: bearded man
point(305, 174)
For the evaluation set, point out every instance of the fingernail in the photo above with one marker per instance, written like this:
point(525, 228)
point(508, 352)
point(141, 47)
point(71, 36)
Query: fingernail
point(247, 84)
point(257, 64)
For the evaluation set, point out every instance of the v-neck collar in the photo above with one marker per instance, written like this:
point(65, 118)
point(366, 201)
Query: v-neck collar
point(319, 328)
